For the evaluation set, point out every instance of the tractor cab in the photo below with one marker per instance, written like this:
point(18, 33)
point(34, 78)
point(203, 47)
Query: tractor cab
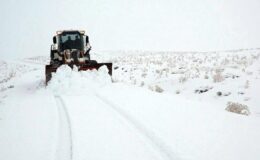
point(70, 45)
point(72, 40)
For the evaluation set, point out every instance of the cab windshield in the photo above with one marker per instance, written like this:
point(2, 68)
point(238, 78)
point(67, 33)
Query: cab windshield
point(71, 40)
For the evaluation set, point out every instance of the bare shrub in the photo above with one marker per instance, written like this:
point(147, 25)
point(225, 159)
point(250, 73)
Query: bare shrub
point(12, 74)
point(156, 88)
point(203, 89)
point(177, 91)
point(218, 77)
point(182, 79)
point(219, 93)
point(8, 77)
point(238, 108)
point(114, 80)
point(144, 75)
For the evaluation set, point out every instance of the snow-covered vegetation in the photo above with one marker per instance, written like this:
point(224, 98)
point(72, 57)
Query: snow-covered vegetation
point(10, 70)
point(238, 108)
point(210, 76)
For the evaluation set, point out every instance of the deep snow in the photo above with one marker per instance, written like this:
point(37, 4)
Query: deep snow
point(156, 106)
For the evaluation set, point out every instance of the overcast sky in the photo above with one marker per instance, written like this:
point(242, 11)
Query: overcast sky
point(27, 26)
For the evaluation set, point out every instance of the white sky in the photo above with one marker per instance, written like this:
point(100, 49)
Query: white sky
point(27, 26)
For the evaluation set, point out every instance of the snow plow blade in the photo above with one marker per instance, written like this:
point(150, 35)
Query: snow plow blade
point(49, 69)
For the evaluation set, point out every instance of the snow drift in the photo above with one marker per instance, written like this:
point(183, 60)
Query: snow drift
point(68, 80)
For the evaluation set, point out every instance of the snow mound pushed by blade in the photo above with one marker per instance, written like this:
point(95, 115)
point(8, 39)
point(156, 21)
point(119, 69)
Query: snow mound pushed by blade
point(68, 80)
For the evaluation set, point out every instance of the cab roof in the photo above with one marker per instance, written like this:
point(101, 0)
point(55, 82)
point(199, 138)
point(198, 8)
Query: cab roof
point(62, 31)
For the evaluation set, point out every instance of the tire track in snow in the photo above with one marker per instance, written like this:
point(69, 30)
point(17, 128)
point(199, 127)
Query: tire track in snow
point(64, 142)
point(149, 136)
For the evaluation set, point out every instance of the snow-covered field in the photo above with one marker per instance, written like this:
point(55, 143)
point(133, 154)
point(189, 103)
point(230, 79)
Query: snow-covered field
point(157, 105)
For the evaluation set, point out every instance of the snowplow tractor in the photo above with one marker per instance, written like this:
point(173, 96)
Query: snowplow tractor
point(71, 47)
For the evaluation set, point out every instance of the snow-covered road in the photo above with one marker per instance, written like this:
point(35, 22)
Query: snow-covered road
point(83, 115)
point(72, 126)
point(106, 132)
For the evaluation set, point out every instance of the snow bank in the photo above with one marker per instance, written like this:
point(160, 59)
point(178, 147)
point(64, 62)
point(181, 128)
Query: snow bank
point(68, 80)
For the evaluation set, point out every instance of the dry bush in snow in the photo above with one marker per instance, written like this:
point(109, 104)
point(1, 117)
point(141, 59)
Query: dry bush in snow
point(9, 76)
point(156, 88)
point(12, 74)
point(142, 84)
point(218, 77)
point(206, 76)
point(182, 79)
point(238, 108)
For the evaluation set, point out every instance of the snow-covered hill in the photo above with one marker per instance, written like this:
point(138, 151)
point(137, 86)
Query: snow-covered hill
point(161, 105)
